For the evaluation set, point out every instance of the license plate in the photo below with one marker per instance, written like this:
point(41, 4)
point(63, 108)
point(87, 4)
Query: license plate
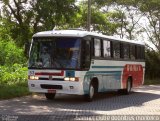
point(51, 91)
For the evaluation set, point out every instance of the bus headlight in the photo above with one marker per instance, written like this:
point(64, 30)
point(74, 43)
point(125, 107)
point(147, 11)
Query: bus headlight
point(66, 79)
point(33, 77)
point(71, 79)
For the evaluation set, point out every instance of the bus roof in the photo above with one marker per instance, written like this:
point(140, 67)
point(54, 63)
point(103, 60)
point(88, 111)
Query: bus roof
point(81, 33)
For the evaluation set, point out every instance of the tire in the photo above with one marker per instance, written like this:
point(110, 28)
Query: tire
point(89, 97)
point(50, 96)
point(129, 86)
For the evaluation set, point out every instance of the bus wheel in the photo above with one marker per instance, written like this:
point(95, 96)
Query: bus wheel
point(129, 86)
point(89, 97)
point(50, 96)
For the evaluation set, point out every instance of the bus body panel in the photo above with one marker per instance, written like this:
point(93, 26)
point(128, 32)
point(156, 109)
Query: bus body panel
point(77, 87)
point(48, 78)
point(109, 77)
point(115, 73)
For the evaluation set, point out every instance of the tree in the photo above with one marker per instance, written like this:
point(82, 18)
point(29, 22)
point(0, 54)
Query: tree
point(128, 16)
point(152, 64)
point(100, 21)
point(30, 16)
point(16, 13)
point(151, 9)
point(147, 9)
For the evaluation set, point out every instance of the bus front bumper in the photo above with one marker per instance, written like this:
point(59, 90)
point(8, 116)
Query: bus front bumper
point(61, 87)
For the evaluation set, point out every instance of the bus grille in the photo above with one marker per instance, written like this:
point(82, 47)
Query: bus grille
point(46, 86)
point(55, 79)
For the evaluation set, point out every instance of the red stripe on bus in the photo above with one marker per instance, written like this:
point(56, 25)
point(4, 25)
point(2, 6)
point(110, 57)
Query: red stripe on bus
point(50, 74)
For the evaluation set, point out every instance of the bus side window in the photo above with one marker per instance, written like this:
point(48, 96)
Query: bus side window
point(132, 52)
point(126, 51)
point(138, 52)
point(106, 49)
point(97, 47)
point(116, 50)
point(143, 52)
point(86, 53)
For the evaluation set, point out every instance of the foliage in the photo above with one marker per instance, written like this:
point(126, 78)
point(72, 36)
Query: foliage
point(135, 10)
point(15, 74)
point(30, 16)
point(151, 9)
point(100, 21)
point(152, 64)
point(13, 81)
point(128, 16)
point(23, 18)
point(10, 53)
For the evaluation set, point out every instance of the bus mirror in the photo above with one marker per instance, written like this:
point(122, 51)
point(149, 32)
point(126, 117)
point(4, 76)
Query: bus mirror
point(26, 49)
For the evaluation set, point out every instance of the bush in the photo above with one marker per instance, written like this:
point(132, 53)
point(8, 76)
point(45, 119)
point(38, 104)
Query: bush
point(16, 74)
point(13, 69)
point(12, 64)
point(13, 81)
point(11, 54)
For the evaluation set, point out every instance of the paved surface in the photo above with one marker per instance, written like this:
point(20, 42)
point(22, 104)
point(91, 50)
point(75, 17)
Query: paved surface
point(144, 100)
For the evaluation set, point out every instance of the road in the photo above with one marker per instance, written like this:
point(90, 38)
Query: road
point(144, 100)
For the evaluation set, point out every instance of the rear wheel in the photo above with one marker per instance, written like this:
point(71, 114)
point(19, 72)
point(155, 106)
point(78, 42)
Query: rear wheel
point(90, 95)
point(50, 96)
point(129, 86)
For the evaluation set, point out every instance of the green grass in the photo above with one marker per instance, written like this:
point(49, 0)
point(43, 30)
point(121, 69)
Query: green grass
point(15, 90)
point(151, 81)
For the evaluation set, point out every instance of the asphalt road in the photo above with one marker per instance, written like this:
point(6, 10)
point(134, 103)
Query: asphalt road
point(144, 100)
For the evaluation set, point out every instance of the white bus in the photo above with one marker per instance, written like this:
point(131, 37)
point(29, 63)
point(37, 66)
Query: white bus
point(83, 63)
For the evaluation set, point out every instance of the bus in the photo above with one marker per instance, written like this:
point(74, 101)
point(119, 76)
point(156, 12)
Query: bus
point(84, 63)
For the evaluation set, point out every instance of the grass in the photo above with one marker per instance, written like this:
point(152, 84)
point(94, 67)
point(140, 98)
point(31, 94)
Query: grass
point(14, 90)
point(152, 81)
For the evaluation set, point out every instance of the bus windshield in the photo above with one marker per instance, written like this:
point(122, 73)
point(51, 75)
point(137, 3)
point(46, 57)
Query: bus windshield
point(58, 53)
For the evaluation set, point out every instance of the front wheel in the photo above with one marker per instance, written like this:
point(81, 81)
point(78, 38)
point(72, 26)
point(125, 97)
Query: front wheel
point(50, 96)
point(89, 97)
